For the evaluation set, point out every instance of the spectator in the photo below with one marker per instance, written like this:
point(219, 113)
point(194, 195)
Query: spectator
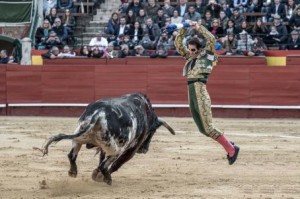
point(42, 34)
point(182, 8)
point(96, 53)
point(127, 41)
point(276, 8)
point(259, 29)
point(231, 28)
point(159, 19)
point(69, 22)
point(176, 19)
point(160, 52)
point(282, 30)
point(207, 19)
point(216, 29)
point(84, 51)
point(226, 10)
point(223, 19)
point(295, 19)
point(294, 41)
point(52, 16)
point(172, 40)
point(141, 17)
point(124, 52)
point(237, 18)
point(151, 8)
point(153, 30)
point(121, 28)
point(214, 8)
point(112, 24)
point(200, 7)
point(123, 9)
point(53, 40)
point(110, 52)
point(47, 5)
point(244, 26)
point(259, 47)
point(4, 59)
point(136, 33)
point(61, 30)
point(191, 14)
point(232, 51)
point(139, 51)
point(245, 44)
point(66, 52)
point(98, 42)
point(62, 5)
point(146, 42)
point(272, 39)
point(240, 5)
point(163, 41)
point(52, 53)
point(135, 6)
point(290, 8)
point(167, 8)
point(130, 18)
point(229, 43)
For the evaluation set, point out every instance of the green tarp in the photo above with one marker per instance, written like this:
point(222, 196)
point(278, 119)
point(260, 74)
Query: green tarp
point(15, 11)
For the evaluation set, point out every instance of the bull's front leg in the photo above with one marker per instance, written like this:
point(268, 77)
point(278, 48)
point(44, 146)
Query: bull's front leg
point(72, 158)
point(101, 173)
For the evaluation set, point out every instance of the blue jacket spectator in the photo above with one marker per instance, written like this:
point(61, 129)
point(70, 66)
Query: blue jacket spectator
point(62, 5)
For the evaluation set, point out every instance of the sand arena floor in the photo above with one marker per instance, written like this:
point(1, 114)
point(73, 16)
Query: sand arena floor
point(187, 165)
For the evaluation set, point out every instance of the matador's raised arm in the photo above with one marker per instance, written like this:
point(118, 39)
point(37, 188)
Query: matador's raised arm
point(210, 39)
point(181, 49)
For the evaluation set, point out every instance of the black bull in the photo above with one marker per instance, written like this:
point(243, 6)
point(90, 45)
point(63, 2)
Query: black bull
point(118, 127)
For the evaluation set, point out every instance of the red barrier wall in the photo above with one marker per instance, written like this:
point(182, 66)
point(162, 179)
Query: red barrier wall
point(243, 81)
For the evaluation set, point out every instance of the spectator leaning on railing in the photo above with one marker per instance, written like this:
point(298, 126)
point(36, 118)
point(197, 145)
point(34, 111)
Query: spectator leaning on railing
point(4, 59)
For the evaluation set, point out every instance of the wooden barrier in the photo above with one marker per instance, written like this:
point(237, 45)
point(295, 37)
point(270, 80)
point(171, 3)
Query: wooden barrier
point(237, 82)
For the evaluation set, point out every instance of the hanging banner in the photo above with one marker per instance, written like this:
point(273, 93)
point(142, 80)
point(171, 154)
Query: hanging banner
point(15, 11)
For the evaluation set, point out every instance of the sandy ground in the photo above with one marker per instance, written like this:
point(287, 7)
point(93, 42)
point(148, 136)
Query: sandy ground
point(187, 165)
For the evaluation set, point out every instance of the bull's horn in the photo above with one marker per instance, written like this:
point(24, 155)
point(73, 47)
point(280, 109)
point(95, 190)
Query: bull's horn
point(165, 124)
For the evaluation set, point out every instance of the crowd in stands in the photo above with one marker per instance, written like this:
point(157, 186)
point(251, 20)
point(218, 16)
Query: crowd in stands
point(139, 28)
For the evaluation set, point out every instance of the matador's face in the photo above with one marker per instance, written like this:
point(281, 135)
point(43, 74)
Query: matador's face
point(194, 52)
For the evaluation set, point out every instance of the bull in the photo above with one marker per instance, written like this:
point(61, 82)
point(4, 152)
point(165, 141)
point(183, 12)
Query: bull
point(118, 127)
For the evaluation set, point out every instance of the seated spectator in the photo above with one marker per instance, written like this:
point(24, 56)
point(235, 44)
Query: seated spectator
point(272, 39)
point(245, 26)
point(84, 51)
point(52, 16)
point(151, 8)
point(141, 17)
point(110, 52)
point(139, 51)
point(176, 19)
point(128, 42)
point(52, 40)
point(237, 18)
point(130, 18)
point(124, 52)
point(66, 52)
point(52, 53)
point(62, 5)
point(200, 6)
point(146, 42)
point(112, 24)
point(42, 34)
point(295, 19)
point(232, 51)
point(4, 59)
point(96, 53)
point(160, 52)
point(191, 14)
point(167, 8)
point(123, 8)
point(259, 29)
point(98, 42)
point(121, 28)
point(69, 22)
point(182, 8)
point(61, 30)
point(136, 6)
point(293, 41)
point(276, 8)
point(153, 30)
point(216, 29)
point(159, 18)
point(136, 33)
point(164, 41)
point(282, 31)
point(254, 7)
point(240, 5)
point(47, 5)
point(223, 20)
point(259, 47)
point(229, 42)
point(214, 8)
point(245, 44)
point(207, 19)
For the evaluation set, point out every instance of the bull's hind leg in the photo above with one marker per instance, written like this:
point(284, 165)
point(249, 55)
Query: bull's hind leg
point(72, 158)
point(101, 173)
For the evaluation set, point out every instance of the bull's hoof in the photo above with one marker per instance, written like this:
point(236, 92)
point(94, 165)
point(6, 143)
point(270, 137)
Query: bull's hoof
point(97, 176)
point(72, 174)
point(142, 150)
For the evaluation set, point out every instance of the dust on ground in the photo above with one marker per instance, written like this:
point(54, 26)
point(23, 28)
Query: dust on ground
point(187, 165)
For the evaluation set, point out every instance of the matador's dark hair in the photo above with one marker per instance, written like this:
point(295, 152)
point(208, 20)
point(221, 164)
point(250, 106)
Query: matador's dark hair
point(196, 42)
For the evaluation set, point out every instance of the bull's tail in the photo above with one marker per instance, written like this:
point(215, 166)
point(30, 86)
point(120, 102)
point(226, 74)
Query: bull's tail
point(79, 132)
point(165, 124)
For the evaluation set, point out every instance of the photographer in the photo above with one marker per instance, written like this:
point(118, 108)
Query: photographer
point(53, 40)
